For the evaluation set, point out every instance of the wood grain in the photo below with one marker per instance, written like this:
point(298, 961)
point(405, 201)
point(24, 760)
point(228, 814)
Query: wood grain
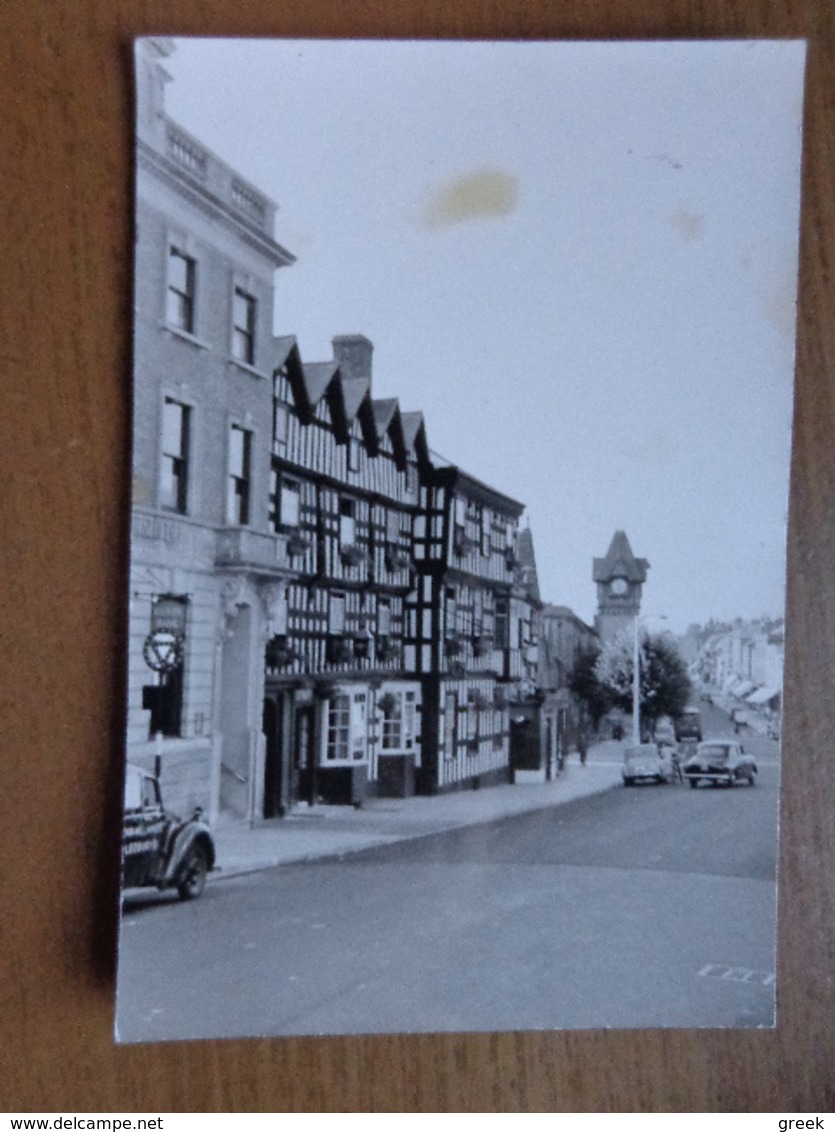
point(64, 353)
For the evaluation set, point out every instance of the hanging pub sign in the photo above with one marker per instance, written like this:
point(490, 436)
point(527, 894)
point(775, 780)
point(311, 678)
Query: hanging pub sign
point(163, 647)
point(163, 650)
point(169, 613)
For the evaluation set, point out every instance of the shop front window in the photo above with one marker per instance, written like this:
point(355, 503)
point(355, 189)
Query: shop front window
point(392, 708)
point(339, 728)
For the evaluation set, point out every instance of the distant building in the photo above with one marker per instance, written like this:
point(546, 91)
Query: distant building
point(619, 578)
point(741, 665)
point(563, 639)
point(546, 722)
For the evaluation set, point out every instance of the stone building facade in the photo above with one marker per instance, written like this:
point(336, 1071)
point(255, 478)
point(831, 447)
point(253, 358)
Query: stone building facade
point(207, 573)
point(563, 639)
point(318, 608)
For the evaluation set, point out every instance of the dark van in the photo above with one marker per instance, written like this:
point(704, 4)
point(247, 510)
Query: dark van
point(689, 725)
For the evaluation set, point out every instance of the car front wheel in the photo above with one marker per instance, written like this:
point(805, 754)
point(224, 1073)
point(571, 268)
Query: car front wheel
point(193, 873)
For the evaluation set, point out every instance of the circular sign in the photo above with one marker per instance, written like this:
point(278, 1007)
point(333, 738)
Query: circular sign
point(163, 650)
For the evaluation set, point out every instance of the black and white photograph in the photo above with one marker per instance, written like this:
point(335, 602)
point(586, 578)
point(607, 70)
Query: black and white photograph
point(462, 420)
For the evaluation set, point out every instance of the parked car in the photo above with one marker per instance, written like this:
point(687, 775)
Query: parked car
point(160, 850)
point(689, 725)
point(647, 762)
point(720, 761)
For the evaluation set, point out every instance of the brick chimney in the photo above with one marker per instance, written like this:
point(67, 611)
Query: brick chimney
point(353, 353)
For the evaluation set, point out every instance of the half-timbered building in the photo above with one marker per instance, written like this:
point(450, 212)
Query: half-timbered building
point(320, 609)
point(469, 633)
point(342, 709)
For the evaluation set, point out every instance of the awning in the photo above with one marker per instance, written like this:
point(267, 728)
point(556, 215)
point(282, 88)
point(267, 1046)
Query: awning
point(763, 695)
point(742, 689)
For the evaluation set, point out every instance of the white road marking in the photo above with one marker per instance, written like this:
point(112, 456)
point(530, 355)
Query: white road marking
point(738, 974)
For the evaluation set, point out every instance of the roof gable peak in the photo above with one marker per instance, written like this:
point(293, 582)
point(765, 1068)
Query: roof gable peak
point(620, 562)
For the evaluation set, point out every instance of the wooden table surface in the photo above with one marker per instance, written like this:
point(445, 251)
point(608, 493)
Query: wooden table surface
point(65, 175)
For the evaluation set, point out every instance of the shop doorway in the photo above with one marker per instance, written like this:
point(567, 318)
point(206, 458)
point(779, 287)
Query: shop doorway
point(304, 756)
point(274, 719)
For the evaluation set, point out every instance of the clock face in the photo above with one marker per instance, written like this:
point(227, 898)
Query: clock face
point(618, 587)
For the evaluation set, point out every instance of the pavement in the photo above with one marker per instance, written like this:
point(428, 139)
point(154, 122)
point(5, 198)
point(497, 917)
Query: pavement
point(309, 833)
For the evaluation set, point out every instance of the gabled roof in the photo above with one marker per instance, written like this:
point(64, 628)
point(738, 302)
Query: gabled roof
point(317, 376)
point(620, 562)
point(414, 437)
point(462, 483)
point(354, 389)
point(524, 547)
point(526, 575)
point(383, 414)
point(551, 610)
point(564, 613)
point(286, 356)
point(350, 400)
point(282, 348)
point(388, 421)
point(411, 423)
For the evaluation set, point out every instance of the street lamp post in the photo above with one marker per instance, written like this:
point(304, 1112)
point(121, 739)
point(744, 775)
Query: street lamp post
point(636, 684)
point(636, 674)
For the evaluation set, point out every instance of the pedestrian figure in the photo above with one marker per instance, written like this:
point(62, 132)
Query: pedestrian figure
point(678, 774)
point(583, 748)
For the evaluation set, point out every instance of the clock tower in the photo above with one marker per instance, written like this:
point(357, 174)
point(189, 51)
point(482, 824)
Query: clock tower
point(619, 577)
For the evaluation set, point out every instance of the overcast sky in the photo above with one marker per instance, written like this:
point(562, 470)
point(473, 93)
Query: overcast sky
point(578, 260)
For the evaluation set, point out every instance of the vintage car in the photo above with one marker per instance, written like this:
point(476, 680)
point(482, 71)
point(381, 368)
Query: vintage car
point(647, 763)
point(720, 761)
point(689, 725)
point(160, 850)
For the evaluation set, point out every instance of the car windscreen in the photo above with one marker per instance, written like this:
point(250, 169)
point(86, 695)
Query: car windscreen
point(133, 791)
point(713, 751)
point(150, 792)
point(641, 753)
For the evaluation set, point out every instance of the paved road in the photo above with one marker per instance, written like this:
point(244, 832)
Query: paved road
point(646, 907)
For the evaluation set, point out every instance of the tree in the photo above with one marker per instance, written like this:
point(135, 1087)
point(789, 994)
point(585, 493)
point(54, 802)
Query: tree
point(583, 681)
point(664, 683)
